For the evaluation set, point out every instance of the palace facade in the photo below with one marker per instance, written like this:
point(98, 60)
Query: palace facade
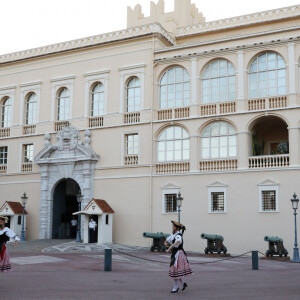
point(170, 104)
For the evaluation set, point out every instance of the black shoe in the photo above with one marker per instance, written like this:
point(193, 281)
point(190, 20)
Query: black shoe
point(175, 291)
point(184, 286)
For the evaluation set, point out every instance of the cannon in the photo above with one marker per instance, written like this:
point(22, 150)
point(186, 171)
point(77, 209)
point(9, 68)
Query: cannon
point(275, 246)
point(214, 243)
point(158, 240)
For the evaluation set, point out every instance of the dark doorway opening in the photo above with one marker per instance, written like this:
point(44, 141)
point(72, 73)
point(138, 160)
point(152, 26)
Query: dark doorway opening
point(64, 205)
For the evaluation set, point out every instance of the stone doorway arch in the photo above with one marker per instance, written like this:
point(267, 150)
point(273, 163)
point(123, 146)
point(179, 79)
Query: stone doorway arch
point(67, 158)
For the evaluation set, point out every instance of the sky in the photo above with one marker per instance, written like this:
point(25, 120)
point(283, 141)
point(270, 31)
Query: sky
point(27, 24)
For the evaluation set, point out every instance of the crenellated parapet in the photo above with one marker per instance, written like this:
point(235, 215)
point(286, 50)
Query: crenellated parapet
point(185, 14)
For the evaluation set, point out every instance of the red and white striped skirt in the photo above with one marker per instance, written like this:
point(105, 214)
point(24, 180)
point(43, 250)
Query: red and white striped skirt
point(181, 267)
point(4, 260)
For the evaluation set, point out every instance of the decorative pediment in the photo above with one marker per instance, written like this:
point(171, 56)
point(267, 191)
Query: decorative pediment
point(267, 182)
point(67, 148)
point(97, 207)
point(170, 186)
point(217, 184)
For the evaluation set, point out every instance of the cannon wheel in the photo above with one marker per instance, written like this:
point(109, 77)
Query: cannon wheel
point(152, 248)
point(206, 250)
point(280, 253)
point(225, 250)
point(285, 252)
point(219, 251)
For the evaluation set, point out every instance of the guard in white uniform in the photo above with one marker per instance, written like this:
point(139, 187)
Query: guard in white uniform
point(179, 266)
point(92, 231)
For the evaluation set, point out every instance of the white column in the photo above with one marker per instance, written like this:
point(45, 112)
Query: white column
point(194, 158)
point(294, 145)
point(194, 82)
point(292, 71)
point(240, 76)
point(243, 148)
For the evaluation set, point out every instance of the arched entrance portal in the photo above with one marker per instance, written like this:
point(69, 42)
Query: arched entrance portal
point(64, 204)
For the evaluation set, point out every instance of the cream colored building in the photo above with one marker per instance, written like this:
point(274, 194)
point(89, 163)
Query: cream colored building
point(172, 103)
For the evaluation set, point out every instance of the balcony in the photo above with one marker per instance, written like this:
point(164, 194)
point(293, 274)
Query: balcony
point(4, 132)
point(172, 167)
point(3, 169)
point(131, 118)
point(26, 167)
point(218, 165)
point(130, 160)
point(176, 113)
point(269, 161)
point(95, 122)
point(267, 103)
point(29, 129)
point(58, 126)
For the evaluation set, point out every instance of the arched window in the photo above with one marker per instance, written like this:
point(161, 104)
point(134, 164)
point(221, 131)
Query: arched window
point(97, 107)
point(218, 141)
point(6, 112)
point(133, 95)
point(173, 145)
point(267, 76)
point(174, 88)
point(31, 104)
point(218, 82)
point(63, 104)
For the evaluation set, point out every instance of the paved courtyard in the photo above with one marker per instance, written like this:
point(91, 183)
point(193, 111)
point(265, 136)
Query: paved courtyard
point(60, 269)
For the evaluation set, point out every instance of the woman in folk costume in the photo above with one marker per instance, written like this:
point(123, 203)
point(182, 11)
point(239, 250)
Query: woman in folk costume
point(179, 266)
point(5, 235)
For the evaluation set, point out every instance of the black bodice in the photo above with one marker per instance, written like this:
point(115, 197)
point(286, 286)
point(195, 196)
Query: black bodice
point(3, 238)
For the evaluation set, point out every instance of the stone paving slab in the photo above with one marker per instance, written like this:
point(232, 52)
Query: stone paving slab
point(37, 259)
point(137, 275)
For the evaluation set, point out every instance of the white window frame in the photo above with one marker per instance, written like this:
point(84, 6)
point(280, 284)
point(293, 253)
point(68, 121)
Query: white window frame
point(2, 146)
point(127, 72)
point(26, 89)
point(22, 154)
point(168, 189)
point(90, 79)
point(217, 187)
point(57, 84)
point(8, 92)
point(218, 86)
point(124, 149)
point(160, 85)
point(268, 188)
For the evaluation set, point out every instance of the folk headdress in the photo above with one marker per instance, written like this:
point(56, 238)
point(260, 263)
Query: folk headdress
point(4, 218)
point(179, 226)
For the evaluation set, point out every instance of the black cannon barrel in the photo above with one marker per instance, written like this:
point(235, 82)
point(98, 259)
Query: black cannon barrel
point(273, 239)
point(211, 236)
point(155, 235)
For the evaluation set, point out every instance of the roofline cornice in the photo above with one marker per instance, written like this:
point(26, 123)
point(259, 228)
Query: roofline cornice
point(239, 21)
point(115, 36)
point(235, 47)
